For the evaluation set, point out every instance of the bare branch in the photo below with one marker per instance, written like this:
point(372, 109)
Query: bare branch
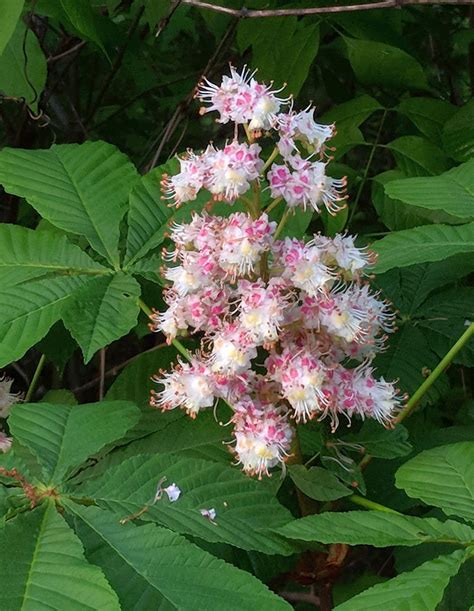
point(245, 13)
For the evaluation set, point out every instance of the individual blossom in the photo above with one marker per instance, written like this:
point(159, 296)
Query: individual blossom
point(5, 442)
point(307, 185)
point(7, 397)
point(241, 99)
point(244, 240)
point(232, 350)
point(189, 385)
point(303, 267)
point(301, 126)
point(262, 438)
point(302, 376)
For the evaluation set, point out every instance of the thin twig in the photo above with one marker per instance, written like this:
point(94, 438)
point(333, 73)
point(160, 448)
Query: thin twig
point(181, 109)
point(102, 373)
point(245, 13)
point(77, 47)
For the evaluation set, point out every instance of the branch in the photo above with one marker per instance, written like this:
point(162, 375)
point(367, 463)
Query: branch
point(245, 13)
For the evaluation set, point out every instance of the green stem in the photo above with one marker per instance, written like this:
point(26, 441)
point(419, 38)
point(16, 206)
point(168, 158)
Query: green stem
point(434, 375)
point(36, 376)
point(282, 223)
point(367, 168)
point(274, 203)
point(270, 160)
point(363, 502)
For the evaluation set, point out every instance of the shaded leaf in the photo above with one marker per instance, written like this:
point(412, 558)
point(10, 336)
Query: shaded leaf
point(318, 483)
point(428, 115)
point(416, 156)
point(19, 77)
point(10, 11)
point(419, 590)
point(458, 133)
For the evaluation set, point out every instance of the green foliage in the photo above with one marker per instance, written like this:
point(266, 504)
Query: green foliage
point(96, 101)
point(443, 477)
point(22, 73)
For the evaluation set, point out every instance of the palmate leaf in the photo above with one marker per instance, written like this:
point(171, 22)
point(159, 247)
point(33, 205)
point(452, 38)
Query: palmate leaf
point(153, 568)
point(381, 442)
point(64, 436)
point(419, 590)
point(81, 188)
point(104, 310)
point(47, 569)
point(375, 528)
point(29, 310)
point(27, 254)
point(451, 192)
point(422, 244)
point(443, 477)
point(245, 508)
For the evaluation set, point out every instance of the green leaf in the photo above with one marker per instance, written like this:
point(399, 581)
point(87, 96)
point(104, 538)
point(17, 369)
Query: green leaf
point(84, 20)
point(429, 243)
point(153, 568)
point(443, 477)
point(64, 436)
point(134, 384)
point(396, 214)
point(353, 112)
point(376, 528)
point(452, 192)
point(19, 77)
point(394, 68)
point(103, 311)
point(81, 188)
point(10, 11)
point(29, 310)
point(428, 115)
point(26, 254)
point(419, 590)
point(318, 483)
point(416, 156)
point(291, 59)
point(47, 569)
point(149, 216)
point(381, 442)
point(406, 359)
point(458, 133)
point(156, 11)
point(245, 509)
point(443, 319)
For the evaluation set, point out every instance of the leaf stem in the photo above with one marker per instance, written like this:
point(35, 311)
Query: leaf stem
point(282, 223)
point(270, 160)
point(363, 502)
point(36, 376)
point(274, 203)
point(434, 375)
point(367, 167)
